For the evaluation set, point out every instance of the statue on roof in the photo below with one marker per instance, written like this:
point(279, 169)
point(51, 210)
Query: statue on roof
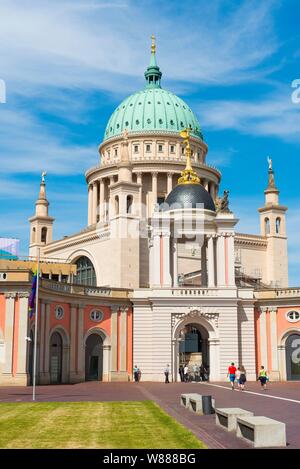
point(270, 163)
point(43, 176)
point(222, 203)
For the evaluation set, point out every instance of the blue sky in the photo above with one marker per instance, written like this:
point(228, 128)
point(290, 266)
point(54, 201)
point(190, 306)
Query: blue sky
point(67, 64)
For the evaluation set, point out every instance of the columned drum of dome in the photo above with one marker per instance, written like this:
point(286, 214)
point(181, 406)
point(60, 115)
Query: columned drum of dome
point(152, 109)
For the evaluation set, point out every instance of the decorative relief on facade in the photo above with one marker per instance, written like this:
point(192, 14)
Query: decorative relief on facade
point(210, 314)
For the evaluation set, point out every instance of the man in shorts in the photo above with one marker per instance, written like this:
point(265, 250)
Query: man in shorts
point(231, 373)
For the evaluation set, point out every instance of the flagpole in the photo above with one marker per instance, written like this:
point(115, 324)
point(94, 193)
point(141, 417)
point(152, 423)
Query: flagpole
point(36, 325)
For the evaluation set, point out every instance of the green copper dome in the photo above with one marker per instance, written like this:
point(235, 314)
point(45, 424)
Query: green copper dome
point(152, 109)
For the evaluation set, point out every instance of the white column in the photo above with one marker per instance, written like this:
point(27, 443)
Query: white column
point(47, 344)
point(114, 338)
point(81, 345)
point(101, 201)
point(139, 181)
point(106, 362)
point(73, 318)
point(167, 282)
point(95, 202)
point(9, 330)
point(23, 332)
point(220, 261)
point(273, 336)
point(123, 340)
point(169, 182)
point(175, 264)
point(156, 259)
point(42, 335)
point(211, 262)
point(230, 260)
point(154, 189)
point(214, 371)
point(263, 337)
point(203, 264)
point(90, 204)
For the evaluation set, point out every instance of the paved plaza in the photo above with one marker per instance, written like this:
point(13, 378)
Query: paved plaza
point(281, 402)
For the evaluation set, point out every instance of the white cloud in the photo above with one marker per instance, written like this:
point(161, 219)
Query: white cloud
point(27, 146)
point(275, 115)
point(99, 44)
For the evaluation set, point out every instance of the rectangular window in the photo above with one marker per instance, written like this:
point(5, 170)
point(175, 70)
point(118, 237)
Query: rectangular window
point(148, 148)
point(116, 152)
point(160, 148)
point(172, 149)
point(136, 148)
point(182, 150)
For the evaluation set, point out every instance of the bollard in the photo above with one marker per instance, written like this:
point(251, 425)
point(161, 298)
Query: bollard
point(207, 407)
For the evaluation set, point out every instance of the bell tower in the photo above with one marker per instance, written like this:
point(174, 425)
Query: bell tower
point(40, 223)
point(273, 227)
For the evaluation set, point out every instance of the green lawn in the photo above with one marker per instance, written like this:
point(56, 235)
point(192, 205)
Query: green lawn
point(91, 425)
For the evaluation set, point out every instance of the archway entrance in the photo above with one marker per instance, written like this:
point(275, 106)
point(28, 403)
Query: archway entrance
point(194, 351)
point(56, 345)
point(94, 358)
point(292, 353)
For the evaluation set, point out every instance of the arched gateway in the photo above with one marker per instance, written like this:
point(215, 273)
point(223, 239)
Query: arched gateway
point(292, 353)
point(94, 358)
point(196, 343)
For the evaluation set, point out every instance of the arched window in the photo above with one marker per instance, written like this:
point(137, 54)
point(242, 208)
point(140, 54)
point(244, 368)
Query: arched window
point(129, 204)
point(267, 226)
point(86, 274)
point(44, 234)
point(33, 235)
point(117, 205)
point(278, 225)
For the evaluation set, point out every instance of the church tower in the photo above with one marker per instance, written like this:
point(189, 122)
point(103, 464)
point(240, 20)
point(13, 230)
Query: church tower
point(273, 227)
point(40, 223)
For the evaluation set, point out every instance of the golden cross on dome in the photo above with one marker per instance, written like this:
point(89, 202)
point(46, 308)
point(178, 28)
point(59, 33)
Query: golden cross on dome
point(153, 46)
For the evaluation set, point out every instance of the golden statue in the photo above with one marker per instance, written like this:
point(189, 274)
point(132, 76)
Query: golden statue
point(188, 175)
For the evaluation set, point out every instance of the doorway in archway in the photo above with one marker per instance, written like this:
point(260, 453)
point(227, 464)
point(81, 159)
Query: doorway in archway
point(194, 351)
point(94, 358)
point(292, 353)
point(56, 344)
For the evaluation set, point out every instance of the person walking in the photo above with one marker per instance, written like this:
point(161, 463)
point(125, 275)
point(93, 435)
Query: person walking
point(242, 379)
point(167, 372)
point(231, 373)
point(136, 373)
point(237, 376)
point(186, 373)
point(263, 377)
point(181, 373)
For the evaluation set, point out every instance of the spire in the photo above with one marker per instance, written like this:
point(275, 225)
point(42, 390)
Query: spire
point(153, 73)
point(41, 205)
point(271, 191)
point(188, 175)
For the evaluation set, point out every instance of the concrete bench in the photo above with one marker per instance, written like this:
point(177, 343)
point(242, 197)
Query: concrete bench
point(226, 417)
point(196, 404)
point(262, 432)
point(185, 399)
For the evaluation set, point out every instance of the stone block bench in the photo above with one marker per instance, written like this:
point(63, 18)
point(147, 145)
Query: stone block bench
point(226, 417)
point(185, 399)
point(196, 404)
point(261, 432)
